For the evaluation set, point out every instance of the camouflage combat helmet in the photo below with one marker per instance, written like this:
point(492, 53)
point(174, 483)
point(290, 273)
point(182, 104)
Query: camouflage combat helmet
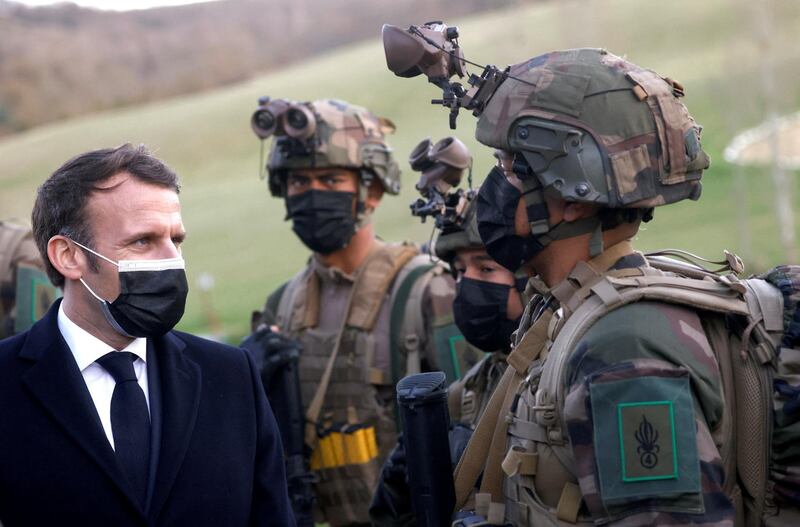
point(325, 133)
point(596, 128)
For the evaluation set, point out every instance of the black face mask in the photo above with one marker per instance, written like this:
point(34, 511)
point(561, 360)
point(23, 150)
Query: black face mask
point(322, 219)
point(496, 210)
point(152, 296)
point(479, 309)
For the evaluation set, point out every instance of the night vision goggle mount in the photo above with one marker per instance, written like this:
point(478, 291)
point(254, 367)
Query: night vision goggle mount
point(442, 166)
point(433, 49)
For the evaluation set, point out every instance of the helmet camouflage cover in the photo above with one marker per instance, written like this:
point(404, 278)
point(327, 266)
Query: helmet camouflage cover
point(345, 136)
point(597, 128)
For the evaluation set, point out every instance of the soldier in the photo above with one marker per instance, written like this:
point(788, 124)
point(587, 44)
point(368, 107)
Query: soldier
point(367, 312)
point(619, 418)
point(25, 291)
point(639, 390)
point(487, 309)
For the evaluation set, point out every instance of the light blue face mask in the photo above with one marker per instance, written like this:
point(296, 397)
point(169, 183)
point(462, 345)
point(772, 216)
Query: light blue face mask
point(152, 295)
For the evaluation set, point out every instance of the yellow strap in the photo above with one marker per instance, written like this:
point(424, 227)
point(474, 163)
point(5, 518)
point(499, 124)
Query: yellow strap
point(569, 503)
point(379, 377)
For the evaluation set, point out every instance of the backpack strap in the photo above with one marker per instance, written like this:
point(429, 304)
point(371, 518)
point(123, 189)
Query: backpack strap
point(406, 323)
point(698, 294)
point(487, 446)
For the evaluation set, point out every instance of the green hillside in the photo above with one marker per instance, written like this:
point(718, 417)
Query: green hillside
point(236, 231)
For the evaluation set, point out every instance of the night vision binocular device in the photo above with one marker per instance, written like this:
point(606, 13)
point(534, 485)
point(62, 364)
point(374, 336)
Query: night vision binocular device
point(442, 166)
point(433, 49)
point(280, 117)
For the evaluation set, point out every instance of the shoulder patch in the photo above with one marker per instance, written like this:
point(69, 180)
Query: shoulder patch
point(644, 438)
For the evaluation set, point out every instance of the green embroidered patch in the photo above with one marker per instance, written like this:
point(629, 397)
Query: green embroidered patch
point(647, 441)
point(450, 346)
point(644, 440)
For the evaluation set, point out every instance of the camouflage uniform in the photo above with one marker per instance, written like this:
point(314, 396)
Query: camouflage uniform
point(634, 358)
point(620, 419)
point(389, 318)
point(467, 397)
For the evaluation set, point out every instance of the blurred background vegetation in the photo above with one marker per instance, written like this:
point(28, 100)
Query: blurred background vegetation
point(201, 68)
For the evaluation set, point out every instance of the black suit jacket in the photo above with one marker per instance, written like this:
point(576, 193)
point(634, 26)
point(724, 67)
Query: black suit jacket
point(216, 457)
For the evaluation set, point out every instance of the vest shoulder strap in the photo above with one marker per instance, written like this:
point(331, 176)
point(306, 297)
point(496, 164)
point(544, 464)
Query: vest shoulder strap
point(378, 275)
point(291, 310)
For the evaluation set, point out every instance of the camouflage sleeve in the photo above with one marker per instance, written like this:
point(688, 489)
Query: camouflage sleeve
point(644, 394)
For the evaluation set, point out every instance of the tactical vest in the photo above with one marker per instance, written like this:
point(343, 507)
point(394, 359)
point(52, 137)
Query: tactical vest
point(467, 398)
point(358, 397)
point(530, 477)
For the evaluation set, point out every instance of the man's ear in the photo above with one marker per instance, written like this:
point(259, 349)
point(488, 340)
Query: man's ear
point(374, 194)
point(577, 211)
point(66, 257)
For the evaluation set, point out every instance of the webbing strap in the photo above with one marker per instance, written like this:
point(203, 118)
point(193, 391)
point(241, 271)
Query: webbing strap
point(603, 261)
point(472, 461)
point(569, 503)
point(492, 482)
point(380, 271)
point(518, 461)
point(487, 446)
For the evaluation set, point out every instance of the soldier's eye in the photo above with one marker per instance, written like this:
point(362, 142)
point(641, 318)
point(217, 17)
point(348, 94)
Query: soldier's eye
point(296, 181)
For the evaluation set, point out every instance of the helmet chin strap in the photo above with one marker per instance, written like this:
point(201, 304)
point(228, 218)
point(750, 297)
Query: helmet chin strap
point(363, 214)
point(538, 216)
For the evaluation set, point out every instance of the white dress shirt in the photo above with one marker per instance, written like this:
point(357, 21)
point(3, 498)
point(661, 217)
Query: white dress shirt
point(86, 349)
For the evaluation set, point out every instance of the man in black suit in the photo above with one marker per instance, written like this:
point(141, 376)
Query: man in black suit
point(107, 417)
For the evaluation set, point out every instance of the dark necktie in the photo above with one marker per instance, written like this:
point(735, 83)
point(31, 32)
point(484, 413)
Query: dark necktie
point(130, 420)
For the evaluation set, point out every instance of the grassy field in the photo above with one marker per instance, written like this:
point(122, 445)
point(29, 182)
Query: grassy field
point(237, 232)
